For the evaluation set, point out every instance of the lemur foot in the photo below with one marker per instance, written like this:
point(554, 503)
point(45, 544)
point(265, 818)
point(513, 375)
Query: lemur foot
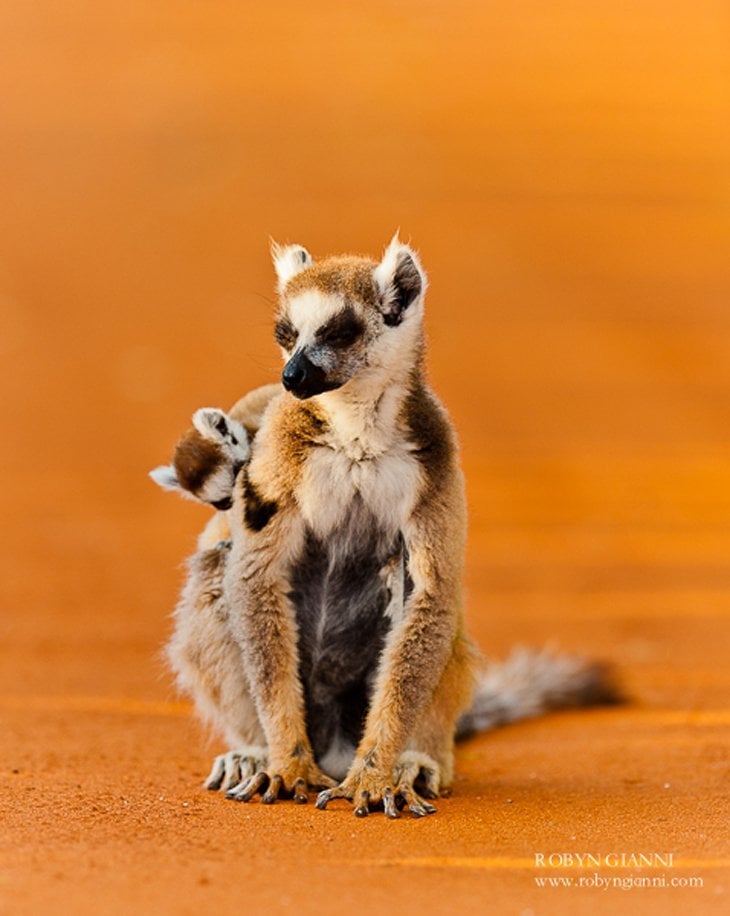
point(231, 769)
point(294, 779)
point(365, 789)
point(207, 459)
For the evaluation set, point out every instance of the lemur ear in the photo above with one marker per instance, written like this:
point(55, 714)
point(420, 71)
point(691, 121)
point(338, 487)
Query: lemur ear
point(400, 279)
point(165, 477)
point(288, 261)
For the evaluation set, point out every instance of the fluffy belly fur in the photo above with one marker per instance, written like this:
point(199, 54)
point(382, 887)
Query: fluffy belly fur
point(347, 590)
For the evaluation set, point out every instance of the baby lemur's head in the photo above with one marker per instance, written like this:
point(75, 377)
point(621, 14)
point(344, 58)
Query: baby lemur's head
point(348, 319)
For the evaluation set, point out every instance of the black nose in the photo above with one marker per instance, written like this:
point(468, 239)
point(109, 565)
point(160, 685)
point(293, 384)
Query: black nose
point(294, 376)
point(305, 379)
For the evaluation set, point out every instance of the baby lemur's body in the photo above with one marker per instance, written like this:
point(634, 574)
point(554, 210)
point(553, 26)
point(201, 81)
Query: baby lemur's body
point(321, 629)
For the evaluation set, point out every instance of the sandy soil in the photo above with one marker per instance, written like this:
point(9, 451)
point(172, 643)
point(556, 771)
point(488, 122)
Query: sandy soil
point(563, 169)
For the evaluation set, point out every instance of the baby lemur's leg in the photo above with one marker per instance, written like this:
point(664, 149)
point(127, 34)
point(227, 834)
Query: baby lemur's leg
point(209, 665)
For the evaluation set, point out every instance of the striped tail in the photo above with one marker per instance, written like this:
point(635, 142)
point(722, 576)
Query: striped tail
point(530, 683)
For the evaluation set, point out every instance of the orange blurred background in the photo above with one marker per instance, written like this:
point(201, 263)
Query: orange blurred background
point(564, 170)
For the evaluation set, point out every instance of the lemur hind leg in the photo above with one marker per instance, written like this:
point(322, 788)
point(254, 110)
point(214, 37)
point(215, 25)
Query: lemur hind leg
point(209, 666)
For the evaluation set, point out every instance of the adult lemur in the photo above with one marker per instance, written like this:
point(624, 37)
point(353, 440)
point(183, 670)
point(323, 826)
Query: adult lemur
point(321, 628)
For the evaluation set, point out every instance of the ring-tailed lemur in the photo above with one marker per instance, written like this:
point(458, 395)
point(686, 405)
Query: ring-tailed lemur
point(321, 627)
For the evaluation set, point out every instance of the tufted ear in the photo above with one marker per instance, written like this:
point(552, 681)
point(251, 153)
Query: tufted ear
point(400, 279)
point(166, 477)
point(288, 261)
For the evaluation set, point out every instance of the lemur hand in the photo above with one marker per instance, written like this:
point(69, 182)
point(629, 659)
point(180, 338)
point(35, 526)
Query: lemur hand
point(366, 787)
point(292, 777)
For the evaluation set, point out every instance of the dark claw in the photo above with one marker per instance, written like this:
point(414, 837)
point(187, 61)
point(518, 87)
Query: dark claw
point(362, 809)
point(389, 805)
point(416, 805)
point(255, 784)
point(323, 799)
point(300, 792)
point(233, 781)
point(216, 775)
point(272, 793)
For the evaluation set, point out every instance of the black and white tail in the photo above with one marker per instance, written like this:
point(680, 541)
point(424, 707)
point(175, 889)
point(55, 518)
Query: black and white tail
point(529, 683)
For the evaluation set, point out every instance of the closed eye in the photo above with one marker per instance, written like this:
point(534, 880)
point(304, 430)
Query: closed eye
point(285, 333)
point(342, 330)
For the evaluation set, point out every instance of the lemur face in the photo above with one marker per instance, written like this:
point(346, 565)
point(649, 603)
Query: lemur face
point(346, 318)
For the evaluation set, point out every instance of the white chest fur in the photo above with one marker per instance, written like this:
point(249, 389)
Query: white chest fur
point(388, 486)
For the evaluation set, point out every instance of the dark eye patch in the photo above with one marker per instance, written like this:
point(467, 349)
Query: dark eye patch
point(341, 330)
point(285, 333)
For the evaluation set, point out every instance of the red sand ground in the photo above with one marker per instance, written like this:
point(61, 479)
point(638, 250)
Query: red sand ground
point(564, 169)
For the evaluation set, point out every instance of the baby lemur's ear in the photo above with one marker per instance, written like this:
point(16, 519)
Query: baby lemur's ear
point(288, 261)
point(165, 477)
point(400, 279)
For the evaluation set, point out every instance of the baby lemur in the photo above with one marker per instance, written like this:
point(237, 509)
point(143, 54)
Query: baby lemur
point(321, 628)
